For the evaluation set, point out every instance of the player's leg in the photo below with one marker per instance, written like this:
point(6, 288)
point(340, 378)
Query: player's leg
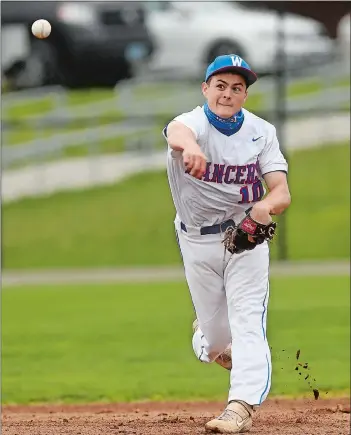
point(205, 281)
point(247, 288)
point(224, 359)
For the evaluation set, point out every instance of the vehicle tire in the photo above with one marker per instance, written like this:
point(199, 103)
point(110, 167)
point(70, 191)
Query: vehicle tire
point(224, 46)
point(99, 77)
point(40, 67)
point(124, 71)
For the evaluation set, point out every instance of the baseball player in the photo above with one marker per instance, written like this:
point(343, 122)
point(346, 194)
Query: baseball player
point(219, 157)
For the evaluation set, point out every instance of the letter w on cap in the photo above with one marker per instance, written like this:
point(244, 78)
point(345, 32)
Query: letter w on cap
point(236, 60)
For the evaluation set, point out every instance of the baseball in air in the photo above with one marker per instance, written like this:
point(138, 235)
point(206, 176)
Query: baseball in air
point(41, 29)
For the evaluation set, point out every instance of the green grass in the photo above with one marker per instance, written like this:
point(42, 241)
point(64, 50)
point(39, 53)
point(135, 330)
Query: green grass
point(108, 146)
point(304, 88)
point(46, 104)
point(26, 132)
point(133, 342)
point(114, 145)
point(318, 199)
point(255, 102)
point(88, 96)
point(314, 86)
point(49, 102)
point(131, 223)
point(343, 82)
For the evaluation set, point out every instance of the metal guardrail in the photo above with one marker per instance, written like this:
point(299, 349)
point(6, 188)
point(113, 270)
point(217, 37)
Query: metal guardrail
point(141, 114)
point(32, 94)
point(43, 147)
point(330, 71)
point(48, 177)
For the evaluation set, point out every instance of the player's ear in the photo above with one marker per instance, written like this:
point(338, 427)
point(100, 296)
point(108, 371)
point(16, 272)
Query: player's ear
point(204, 88)
point(246, 94)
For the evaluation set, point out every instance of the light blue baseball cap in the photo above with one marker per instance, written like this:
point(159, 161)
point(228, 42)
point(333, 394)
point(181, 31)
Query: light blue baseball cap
point(231, 63)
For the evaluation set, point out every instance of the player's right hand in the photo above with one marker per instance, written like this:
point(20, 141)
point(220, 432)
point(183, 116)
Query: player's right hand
point(195, 161)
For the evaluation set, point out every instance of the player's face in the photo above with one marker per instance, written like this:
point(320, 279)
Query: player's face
point(225, 94)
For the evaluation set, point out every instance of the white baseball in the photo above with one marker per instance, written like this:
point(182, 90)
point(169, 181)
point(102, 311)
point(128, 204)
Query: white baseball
point(41, 29)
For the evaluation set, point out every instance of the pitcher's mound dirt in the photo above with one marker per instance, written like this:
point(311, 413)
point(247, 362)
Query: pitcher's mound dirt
point(278, 417)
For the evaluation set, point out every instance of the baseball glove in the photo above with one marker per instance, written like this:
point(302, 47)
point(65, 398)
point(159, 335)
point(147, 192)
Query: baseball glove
point(247, 235)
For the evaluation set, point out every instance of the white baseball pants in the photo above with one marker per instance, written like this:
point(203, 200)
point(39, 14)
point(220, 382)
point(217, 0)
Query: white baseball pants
point(230, 296)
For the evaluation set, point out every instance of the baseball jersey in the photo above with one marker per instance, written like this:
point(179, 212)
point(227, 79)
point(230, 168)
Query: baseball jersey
point(235, 165)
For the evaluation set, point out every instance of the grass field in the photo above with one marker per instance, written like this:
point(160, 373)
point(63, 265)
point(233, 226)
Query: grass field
point(131, 223)
point(133, 342)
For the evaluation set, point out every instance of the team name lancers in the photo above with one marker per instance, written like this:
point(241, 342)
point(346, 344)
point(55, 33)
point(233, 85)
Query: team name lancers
point(230, 174)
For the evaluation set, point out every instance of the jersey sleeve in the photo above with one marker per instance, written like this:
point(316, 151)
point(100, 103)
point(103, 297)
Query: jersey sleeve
point(194, 120)
point(271, 158)
point(171, 153)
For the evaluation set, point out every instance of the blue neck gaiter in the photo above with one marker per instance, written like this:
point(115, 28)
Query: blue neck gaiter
point(227, 126)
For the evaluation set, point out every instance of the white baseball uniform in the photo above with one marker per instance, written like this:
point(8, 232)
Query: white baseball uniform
point(229, 292)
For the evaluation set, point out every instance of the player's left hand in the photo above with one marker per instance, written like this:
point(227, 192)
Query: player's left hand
point(260, 212)
point(255, 228)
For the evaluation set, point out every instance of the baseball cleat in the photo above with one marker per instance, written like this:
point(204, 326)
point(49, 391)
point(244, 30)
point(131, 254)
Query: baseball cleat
point(236, 418)
point(225, 358)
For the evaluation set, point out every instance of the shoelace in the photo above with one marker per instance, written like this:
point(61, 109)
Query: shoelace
point(228, 414)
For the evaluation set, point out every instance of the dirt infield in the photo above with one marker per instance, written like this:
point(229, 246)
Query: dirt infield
point(275, 417)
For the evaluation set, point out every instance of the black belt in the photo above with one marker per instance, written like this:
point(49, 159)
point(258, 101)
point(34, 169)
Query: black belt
point(213, 229)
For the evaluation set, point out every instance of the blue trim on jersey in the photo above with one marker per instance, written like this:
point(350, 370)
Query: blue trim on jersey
point(265, 339)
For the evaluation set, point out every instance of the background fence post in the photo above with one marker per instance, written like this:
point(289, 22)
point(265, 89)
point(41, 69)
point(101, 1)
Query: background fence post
point(281, 117)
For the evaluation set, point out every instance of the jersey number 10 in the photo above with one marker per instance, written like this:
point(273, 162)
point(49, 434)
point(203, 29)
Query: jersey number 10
point(256, 192)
